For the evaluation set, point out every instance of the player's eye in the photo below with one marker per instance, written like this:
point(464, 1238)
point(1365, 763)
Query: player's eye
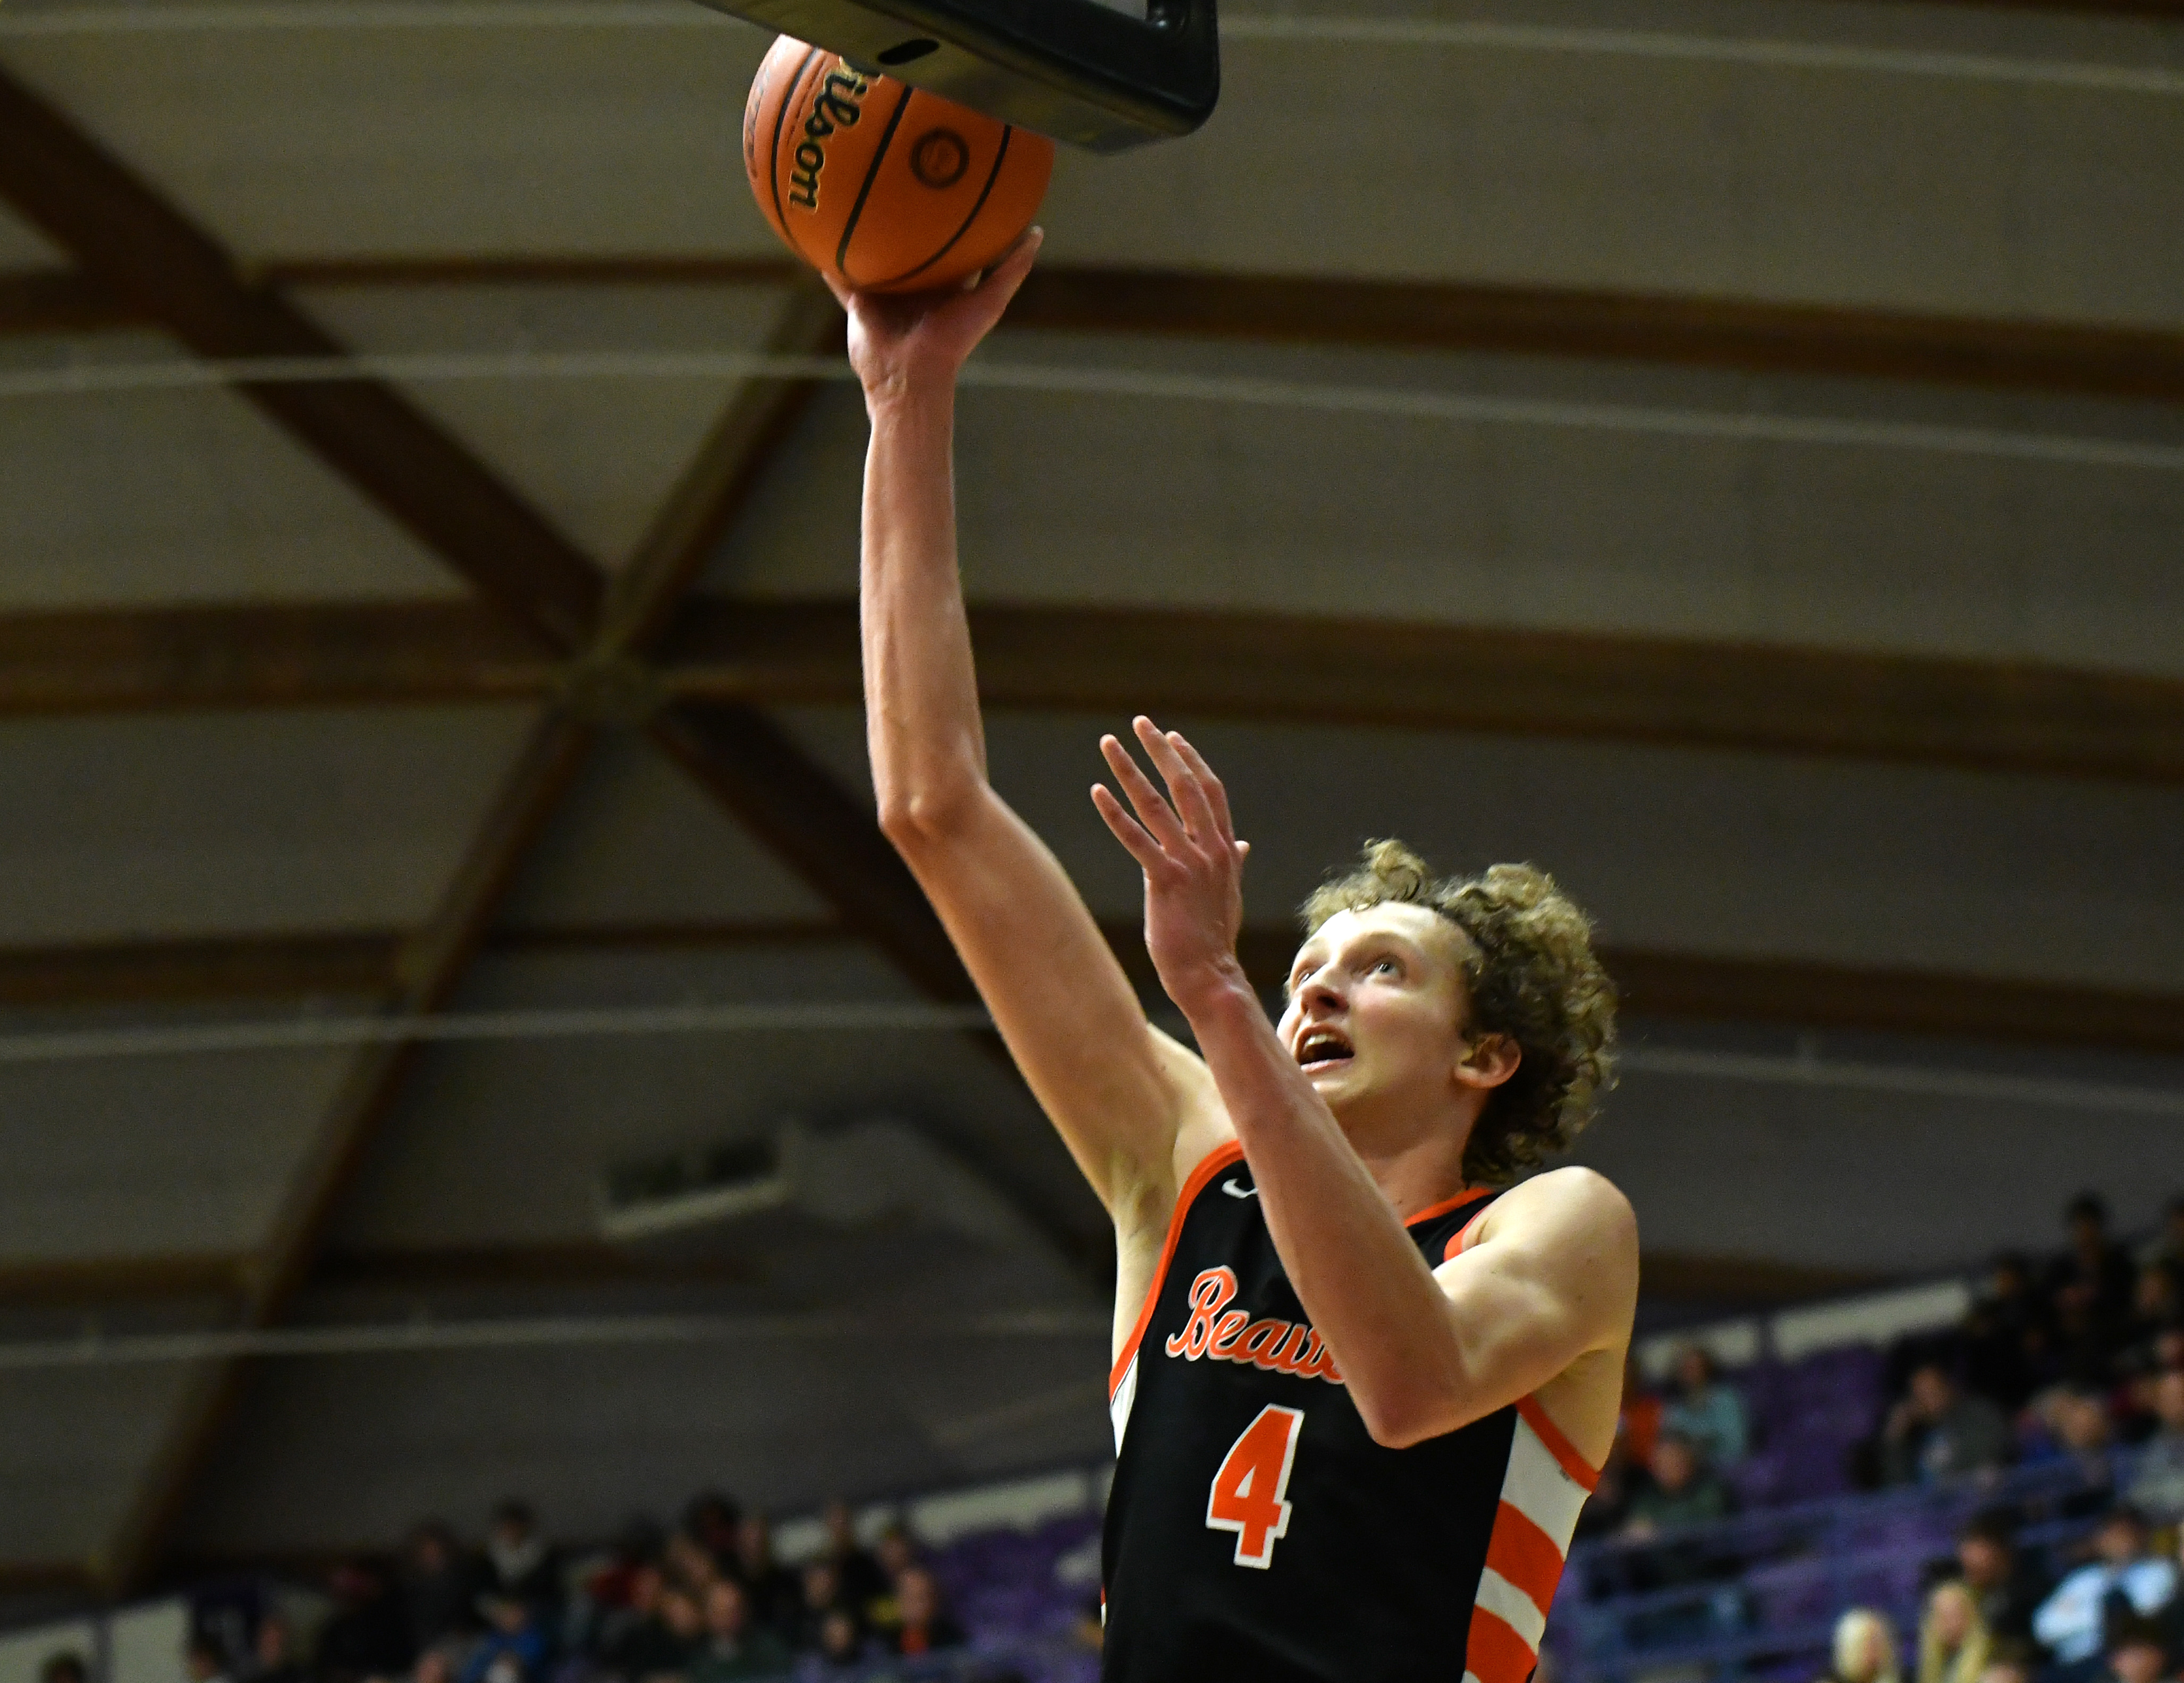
point(1387, 967)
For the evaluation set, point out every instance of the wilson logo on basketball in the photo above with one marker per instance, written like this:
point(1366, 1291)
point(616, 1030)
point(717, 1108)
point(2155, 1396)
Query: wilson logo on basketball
point(838, 105)
point(1218, 1332)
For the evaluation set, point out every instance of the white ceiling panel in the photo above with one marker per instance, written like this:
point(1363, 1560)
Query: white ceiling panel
point(1575, 168)
point(74, 1444)
point(1730, 1168)
point(1069, 498)
point(22, 246)
point(351, 142)
point(1682, 850)
point(119, 498)
point(1646, 173)
point(596, 455)
point(505, 1142)
point(125, 829)
point(637, 841)
point(154, 1156)
point(591, 1436)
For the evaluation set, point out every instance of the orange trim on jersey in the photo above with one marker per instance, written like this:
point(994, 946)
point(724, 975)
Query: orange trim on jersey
point(1558, 1445)
point(1525, 1554)
point(1447, 1204)
point(1495, 1653)
point(1455, 1245)
point(1220, 1158)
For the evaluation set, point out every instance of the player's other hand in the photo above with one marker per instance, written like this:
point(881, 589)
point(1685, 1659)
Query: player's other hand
point(1186, 844)
point(908, 342)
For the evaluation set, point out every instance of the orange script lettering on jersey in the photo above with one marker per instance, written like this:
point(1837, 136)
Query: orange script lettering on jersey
point(1228, 1335)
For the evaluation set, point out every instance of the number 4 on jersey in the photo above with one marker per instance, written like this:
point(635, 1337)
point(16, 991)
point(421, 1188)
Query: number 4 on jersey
point(1250, 1493)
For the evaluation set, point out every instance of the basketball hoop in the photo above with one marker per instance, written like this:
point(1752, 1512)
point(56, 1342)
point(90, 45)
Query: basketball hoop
point(1077, 70)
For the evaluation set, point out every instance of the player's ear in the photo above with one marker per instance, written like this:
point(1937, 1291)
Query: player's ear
point(1486, 1061)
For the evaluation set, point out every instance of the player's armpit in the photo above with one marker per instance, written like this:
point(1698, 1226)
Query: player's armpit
point(1550, 1278)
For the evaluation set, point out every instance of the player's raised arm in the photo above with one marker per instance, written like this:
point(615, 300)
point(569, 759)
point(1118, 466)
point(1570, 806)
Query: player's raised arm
point(1119, 1091)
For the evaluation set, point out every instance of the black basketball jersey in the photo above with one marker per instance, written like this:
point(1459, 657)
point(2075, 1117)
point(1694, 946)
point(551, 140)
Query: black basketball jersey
point(1257, 1532)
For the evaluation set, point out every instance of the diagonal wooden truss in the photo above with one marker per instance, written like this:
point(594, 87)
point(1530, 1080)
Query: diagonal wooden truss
point(133, 249)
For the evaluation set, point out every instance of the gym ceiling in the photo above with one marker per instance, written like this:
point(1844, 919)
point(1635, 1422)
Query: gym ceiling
point(1729, 451)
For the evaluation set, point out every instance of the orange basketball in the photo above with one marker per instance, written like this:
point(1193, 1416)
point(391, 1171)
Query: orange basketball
point(885, 187)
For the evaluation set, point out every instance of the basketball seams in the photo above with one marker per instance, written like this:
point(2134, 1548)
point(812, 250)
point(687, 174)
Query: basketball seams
point(865, 188)
point(1000, 157)
point(781, 123)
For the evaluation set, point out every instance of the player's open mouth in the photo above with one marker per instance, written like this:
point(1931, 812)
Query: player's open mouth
point(1322, 1049)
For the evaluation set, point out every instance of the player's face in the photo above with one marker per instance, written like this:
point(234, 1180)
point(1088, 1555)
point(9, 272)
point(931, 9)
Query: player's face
point(1377, 1006)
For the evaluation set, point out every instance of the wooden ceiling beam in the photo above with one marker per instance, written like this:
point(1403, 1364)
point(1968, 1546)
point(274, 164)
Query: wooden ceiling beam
point(1789, 992)
point(45, 302)
point(1742, 335)
point(129, 242)
point(1990, 715)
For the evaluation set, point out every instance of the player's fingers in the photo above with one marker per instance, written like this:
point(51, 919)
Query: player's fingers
point(841, 292)
point(1216, 795)
point(1127, 830)
point(1003, 278)
point(1152, 807)
point(1183, 791)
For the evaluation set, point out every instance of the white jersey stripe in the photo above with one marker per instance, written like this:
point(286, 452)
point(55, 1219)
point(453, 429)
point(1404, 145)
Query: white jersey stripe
point(1118, 1406)
point(1516, 1609)
point(1537, 1487)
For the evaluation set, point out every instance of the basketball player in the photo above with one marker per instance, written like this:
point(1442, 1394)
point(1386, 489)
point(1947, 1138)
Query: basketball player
point(1361, 1385)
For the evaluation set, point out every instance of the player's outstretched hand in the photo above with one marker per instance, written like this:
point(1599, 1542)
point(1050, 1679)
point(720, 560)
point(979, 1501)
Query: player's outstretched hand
point(904, 342)
point(1186, 844)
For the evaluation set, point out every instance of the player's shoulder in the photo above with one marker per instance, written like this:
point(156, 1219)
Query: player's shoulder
point(1572, 1199)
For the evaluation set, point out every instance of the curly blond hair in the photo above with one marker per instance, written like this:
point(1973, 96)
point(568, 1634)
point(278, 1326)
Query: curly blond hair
point(1529, 969)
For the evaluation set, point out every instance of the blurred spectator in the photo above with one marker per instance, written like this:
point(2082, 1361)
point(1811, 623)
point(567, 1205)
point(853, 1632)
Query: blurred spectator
point(434, 1665)
point(841, 1642)
point(682, 1613)
point(1864, 1649)
point(1708, 1412)
point(923, 1625)
point(2071, 1621)
point(2139, 1650)
point(711, 1521)
point(1938, 1431)
point(769, 1589)
point(2006, 1335)
point(1954, 1641)
point(861, 1579)
point(634, 1640)
point(734, 1646)
point(823, 1596)
point(2166, 1247)
point(2003, 1589)
point(2010, 1661)
point(1681, 1491)
point(689, 1564)
point(897, 1553)
point(438, 1585)
point(273, 1653)
point(2157, 1488)
point(2156, 1311)
point(368, 1633)
point(514, 1648)
point(64, 1667)
point(203, 1661)
point(2093, 1276)
point(1638, 1426)
point(520, 1564)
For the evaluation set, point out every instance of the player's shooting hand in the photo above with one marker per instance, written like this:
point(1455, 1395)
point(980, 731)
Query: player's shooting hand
point(905, 343)
point(1186, 844)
